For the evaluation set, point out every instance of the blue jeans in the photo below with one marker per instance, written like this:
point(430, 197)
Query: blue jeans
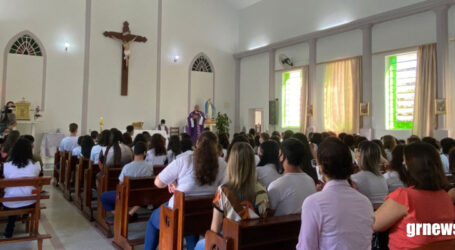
point(108, 200)
point(152, 234)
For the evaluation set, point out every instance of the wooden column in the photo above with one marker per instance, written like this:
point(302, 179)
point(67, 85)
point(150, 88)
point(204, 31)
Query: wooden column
point(366, 87)
point(442, 39)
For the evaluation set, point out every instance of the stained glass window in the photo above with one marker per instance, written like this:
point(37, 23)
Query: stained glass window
point(201, 64)
point(290, 101)
point(25, 45)
point(400, 80)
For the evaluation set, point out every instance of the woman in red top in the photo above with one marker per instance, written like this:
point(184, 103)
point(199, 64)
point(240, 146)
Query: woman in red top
point(424, 201)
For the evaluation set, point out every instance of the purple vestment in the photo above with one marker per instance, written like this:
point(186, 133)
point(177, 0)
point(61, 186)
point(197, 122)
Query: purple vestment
point(195, 125)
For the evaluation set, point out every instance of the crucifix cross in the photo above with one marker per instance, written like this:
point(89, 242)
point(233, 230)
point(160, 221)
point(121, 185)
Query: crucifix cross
point(126, 38)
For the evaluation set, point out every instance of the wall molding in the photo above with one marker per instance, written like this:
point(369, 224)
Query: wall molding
point(5, 65)
point(357, 24)
point(189, 77)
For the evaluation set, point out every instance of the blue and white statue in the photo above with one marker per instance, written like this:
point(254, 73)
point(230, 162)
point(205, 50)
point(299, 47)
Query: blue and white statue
point(210, 111)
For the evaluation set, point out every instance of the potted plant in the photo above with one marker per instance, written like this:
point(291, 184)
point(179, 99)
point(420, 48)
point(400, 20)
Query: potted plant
point(222, 123)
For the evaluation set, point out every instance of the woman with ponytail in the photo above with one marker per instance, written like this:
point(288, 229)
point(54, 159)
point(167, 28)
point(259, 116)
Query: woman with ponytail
point(196, 174)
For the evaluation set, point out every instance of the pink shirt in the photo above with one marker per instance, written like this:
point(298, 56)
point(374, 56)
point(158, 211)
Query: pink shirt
point(339, 217)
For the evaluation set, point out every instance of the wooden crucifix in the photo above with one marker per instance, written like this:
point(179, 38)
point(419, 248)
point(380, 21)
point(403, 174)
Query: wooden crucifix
point(126, 38)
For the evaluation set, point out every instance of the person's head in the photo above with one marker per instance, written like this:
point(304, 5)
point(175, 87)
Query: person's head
point(21, 153)
point(9, 107)
point(381, 147)
point(126, 138)
point(452, 161)
point(396, 164)
point(130, 130)
point(287, 134)
point(185, 136)
point(10, 140)
point(206, 159)
point(174, 144)
point(116, 137)
point(358, 140)
point(349, 141)
point(432, 141)
point(30, 138)
point(158, 143)
point(263, 137)
point(140, 151)
point(104, 138)
point(369, 157)
point(424, 167)
point(325, 135)
point(341, 136)
point(196, 107)
point(306, 165)
point(224, 140)
point(252, 132)
point(276, 133)
point(292, 152)
point(86, 146)
point(139, 138)
point(79, 140)
point(94, 135)
point(186, 144)
point(389, 142)
point(241, 171)
point(334, 159)
point(238, 138)
point(412, 139)
point(163, 122)
point(269, 153)
point(301, 137)
point(316, 138)
point(276, 139)
point(73, 128)
point(447, 144)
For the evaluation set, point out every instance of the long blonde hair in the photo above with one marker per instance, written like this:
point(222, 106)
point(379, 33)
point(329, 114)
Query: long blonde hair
point(241, 171)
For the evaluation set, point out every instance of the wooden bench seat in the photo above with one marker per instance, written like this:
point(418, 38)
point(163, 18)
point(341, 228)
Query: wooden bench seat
point(61, 171)
point(79, 181)
point(279, 232)
point(106, 182)
point(35, 212)
point(70, 168)
point(87, 194)
point(190, 216)
point(134, 192)
point(56, 171)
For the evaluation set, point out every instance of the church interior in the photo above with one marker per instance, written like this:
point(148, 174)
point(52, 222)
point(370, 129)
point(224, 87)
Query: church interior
point(113, 110)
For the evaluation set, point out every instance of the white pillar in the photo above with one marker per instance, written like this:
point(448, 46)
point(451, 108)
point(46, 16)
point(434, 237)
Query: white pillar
point(237, 95)
point(272, 94)
point(366, 88)
point(312, 82)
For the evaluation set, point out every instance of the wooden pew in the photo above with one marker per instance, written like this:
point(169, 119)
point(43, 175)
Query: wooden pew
point(191, 215)
point(106, 182)
point(87, 195)
point(56, 171)
point(134, 192)
point(61, 175)
point(439, 245)
point(157, 169)
point(79, 181)
point(33, 222)
point(281, 232)
point(69, 175)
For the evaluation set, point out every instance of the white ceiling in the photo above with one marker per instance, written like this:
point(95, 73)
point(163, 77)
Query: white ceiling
point(241, 4)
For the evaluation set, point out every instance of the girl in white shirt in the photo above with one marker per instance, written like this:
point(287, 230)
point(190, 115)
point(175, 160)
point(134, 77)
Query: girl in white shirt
point(396, 173)
point(20, 166)
point(268, 168)
point(157, 154)
point(173, 148)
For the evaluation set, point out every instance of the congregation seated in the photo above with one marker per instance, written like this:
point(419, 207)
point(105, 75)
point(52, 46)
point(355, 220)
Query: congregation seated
point(127, 139)
point(21, 165)
point(241, 197)
point(268, 168)
point(173, 148)
point(157, 153)
point(117, 153)
point(424, 201)
point(338, 217)
point(308, 156)
point(137, 168)
point(196, 174)
point(70, 142)
point(288, 192)
point(369, 180)
point(395, 175)
point(86, 147)
point(77, 150)
point(100, 147)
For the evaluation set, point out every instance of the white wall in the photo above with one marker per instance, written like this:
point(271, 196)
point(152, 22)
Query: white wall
point(270, 21)
point(105, 64)
point(191, 27)
point(254, 87)
point(54, 23)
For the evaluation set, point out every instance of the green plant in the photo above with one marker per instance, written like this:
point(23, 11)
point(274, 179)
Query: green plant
point(222, 123)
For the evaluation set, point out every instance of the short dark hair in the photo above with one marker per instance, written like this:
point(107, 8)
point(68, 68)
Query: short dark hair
point(129, 128)
point(186, 144)
point(287, 134)
point(163, 121)
point(348, 140)
point(270, 155)
point(446, 144)
point(127, 140)
point(335, 159)
point(73, 127)
point(94, 134)
point(424, 166)
point(293, 150)
point(29, 137)
point(316, 138)
point(412, 139)
point(185, 136)
point(140, 148)
point(432, 141)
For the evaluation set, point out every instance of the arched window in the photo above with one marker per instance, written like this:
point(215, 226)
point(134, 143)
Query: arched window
point(25, 45)
point(201, 64)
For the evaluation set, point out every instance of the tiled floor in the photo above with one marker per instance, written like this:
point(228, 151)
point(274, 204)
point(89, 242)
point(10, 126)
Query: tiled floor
point(69, 229)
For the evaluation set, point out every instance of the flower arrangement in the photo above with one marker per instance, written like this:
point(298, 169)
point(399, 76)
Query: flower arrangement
point(37, 114)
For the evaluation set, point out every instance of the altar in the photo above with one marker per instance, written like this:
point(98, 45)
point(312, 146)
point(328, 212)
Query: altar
point(26, 127)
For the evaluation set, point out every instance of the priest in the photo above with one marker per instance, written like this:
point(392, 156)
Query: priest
point(196, 123)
